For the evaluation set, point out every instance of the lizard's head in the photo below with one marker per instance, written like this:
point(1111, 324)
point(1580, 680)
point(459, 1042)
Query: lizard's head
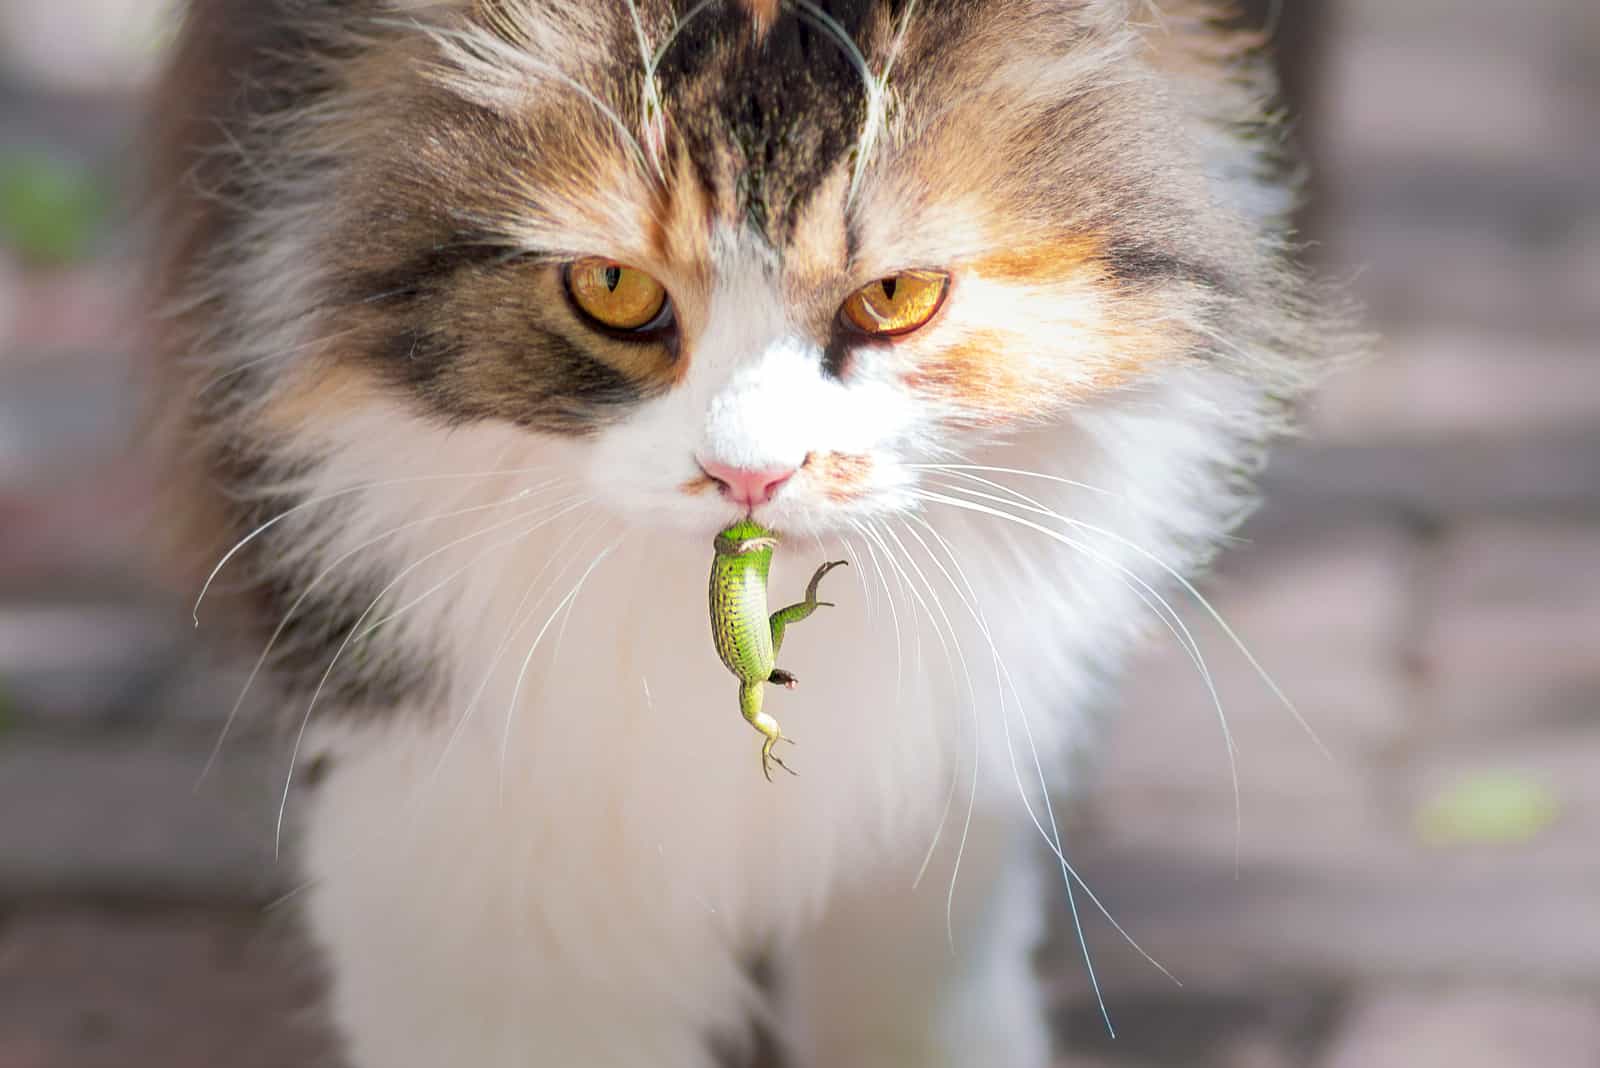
point(746, 538)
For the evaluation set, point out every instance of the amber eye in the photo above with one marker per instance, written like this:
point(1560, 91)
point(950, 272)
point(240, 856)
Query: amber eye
point(616, 296)
point(897, 304)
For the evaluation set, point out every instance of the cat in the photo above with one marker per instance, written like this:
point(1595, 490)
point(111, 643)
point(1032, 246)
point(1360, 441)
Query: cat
point(478, 319)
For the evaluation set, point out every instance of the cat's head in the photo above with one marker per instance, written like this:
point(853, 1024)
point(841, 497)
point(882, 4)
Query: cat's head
point(740, 254)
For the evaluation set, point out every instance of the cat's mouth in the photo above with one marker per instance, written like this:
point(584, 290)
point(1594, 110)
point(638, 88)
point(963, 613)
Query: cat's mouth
point(835, 477)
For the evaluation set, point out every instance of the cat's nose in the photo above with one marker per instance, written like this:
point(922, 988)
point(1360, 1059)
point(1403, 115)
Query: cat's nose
point(747, 486)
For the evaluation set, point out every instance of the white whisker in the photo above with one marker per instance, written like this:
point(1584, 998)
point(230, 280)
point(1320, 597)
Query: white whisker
point(518, 621)
point(561, 637)
point(1205, 604)
point(894, 613)
point(977, 737)
point(571, 503)
point(958, 468)
point(1148, 595)
point(868, 594)
point(899, 41)
point(849, 545)
point(650, 93)
point(970, 600)
point(511, 706)
point(870, 531)
point(1053, 837)
point(324, 498)
point(272, 641)
point(1155, 602)
point(305, 721)
point(950, 663)
point(677, 28)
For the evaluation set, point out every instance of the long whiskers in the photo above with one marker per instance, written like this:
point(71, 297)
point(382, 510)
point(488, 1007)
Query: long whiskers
point(305, 721)
point(961, 468)
point(969, 598)
point(348, 491)
point(972, 703)
point(518, 621)
point(1031, 505)
point(311, 587)
point(1151, 598)
point(910, 592)
point(571, 597)
point(571, 502)
point(649, 92)
point(894, 612)
point(672, 36)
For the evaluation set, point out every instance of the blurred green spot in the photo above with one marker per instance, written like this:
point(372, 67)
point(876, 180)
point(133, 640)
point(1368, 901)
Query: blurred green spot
point(1492, 808)
point(50, 212)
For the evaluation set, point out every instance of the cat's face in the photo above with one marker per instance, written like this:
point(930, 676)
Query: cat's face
point(815, 245)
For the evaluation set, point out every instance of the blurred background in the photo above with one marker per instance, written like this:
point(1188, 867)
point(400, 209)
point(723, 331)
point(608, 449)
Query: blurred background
point(1424, 581)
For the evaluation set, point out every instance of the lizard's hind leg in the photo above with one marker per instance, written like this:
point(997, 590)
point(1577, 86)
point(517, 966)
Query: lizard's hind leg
point(750, 700)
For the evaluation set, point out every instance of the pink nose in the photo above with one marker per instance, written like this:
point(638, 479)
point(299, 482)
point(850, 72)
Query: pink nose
point(751, 488)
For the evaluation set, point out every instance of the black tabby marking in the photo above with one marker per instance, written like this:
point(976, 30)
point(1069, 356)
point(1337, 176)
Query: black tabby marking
point(789, 103)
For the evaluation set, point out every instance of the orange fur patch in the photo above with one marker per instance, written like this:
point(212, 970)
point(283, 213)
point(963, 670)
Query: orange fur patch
point(1075, 259)
point(841, 476)
point(976, 376)
point(995, 377)
point(698, 485)
point(678, 233)
point(763, 13)
point(998, 372)
point(318, 397)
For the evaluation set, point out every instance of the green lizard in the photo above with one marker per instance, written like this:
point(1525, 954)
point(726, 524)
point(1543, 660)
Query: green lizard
point(747, 639)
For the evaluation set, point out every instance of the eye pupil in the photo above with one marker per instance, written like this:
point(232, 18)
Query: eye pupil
point(896, 304)
point(618, 297)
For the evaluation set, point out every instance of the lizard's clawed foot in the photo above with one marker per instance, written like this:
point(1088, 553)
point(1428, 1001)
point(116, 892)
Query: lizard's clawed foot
point(769, 758)
point(816, 580)
point(780, 677)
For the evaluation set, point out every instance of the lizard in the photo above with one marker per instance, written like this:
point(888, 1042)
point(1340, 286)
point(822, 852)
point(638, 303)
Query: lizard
point(746, 637)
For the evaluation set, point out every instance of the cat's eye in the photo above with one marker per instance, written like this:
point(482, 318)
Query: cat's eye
point(618, 297)
point(897, 304)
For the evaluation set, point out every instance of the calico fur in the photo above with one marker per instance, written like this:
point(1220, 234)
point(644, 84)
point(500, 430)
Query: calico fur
point(471, 532)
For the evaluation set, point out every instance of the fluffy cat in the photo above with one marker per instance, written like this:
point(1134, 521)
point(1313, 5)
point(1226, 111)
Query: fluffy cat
point(480, 318)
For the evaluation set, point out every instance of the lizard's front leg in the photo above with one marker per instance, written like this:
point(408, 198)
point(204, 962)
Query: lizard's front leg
point(796, 612)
